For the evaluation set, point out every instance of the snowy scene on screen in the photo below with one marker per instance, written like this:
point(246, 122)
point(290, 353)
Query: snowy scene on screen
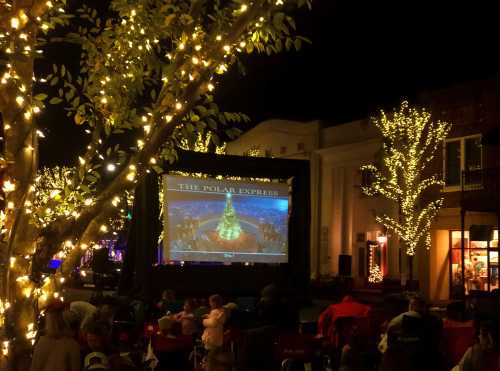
point(225, 221)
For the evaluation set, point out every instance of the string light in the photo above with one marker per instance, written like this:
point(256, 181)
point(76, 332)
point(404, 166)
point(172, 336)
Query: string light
point(45, 203)
point(14, 23)
point(411, 140)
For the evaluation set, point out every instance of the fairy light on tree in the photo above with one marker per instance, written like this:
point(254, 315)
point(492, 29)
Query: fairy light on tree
point(410, 141)
point(142, 59)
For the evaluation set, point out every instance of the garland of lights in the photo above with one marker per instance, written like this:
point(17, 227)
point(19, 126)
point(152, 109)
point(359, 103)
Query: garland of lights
point(411, 140)
point(61, 203)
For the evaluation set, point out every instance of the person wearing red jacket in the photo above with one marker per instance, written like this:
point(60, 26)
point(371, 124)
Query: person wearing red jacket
point(348, 307)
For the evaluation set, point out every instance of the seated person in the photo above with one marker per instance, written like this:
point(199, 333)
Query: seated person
point(98, 338)
point(169, 340)
point(168, 303)
point(187, 319)
point(485, 355)
point(213, 335)
point(348, 307)
point(458, 334)
point(56, 349)
point(84, 311)
point(171, 349)
point(416, 308)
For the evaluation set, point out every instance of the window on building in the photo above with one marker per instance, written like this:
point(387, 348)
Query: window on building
point(282, 150)
point(300, 146)
point(462, 155)
point(480, 259)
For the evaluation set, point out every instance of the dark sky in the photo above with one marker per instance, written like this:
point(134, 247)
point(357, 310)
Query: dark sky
point(369, 54)
point(365, 55)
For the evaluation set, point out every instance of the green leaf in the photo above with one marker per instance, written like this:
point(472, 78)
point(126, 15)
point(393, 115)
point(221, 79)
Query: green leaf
point(63, 70)
point(55, 100)
point(54, 67)
point(157, 169)
point(69, 95)
point(298, 44)
point(40, 97)
point(54, 81)
point(202, 110)
point(75, 102)
point(212, 124)
point(215, 139)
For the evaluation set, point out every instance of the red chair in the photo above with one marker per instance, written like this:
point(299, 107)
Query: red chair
point(299, 347)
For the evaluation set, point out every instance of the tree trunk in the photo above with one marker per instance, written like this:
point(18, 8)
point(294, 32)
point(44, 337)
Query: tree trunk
point(21, 154)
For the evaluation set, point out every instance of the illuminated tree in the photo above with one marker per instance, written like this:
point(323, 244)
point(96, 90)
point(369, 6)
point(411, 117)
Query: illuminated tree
point(148, 69)
point(410, 141)
point(229, 227)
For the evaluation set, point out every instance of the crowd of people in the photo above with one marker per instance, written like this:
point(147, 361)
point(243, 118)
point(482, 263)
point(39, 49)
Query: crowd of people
point(412, 340)
point(200, 334)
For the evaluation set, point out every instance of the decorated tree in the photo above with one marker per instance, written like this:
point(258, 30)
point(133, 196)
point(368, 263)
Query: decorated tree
point(229, 227)
point(410, 141)
point(148, 70)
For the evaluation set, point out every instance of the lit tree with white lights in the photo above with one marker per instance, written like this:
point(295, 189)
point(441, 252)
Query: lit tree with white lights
point(229, 226)
point(410, 141)
point(148, 69)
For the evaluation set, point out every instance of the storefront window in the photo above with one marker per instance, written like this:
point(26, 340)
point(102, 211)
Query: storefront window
point(476, 264)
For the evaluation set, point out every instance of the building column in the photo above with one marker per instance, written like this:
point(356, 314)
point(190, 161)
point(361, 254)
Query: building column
point(315, 245)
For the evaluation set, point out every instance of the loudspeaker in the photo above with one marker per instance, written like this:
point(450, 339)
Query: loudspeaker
point(480, 232)
point(345, 262)
point(100, 260)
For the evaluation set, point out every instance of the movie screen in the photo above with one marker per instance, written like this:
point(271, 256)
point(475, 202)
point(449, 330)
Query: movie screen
point(209, 220)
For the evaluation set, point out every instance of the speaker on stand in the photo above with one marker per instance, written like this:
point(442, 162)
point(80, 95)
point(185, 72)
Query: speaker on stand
point(345, 263)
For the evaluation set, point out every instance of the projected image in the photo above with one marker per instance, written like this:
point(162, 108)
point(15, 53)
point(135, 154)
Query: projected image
point(225, 221)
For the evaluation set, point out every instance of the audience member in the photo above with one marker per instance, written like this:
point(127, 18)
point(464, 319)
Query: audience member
point(168, 302)
point(458, 333)
point(412, 340)
point(213, 336)
point(98, 338)
point(348, 307)
point(56, 350)
point(269, 306)
point(483, 356)
point(170, 341)
point(84, 311)
point(187, 319)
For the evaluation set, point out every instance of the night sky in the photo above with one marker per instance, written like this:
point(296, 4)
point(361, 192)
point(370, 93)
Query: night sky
point(365, 55)
point(369, 54)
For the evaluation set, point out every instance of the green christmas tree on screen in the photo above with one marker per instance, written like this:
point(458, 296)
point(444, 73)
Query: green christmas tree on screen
point(229, 226)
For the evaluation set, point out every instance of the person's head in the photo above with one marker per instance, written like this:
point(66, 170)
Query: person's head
point(188, 306)
point(269, 292)
point(487, 335)
point(105, 312)
point(55, 326)
point(97, 336)
point(456, 311)
point(417, 304)
point(168, 295)
point(215, 301)
point(72, 321)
